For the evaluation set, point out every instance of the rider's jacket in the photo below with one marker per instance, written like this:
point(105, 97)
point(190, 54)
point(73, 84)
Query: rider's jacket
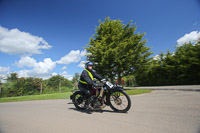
point(87, 77)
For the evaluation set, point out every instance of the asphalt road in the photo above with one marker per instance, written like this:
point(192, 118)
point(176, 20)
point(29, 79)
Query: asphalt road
point(161, 111)
point(174, 87)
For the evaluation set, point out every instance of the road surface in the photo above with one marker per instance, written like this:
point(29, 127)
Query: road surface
point(161, 111)
point(174, 87)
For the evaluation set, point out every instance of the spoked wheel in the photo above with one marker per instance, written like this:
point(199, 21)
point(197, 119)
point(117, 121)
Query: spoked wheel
point(120, 101)
point(79, 100)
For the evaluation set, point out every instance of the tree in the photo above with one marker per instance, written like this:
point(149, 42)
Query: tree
point(188, 63)
point(56, 82)
point(12, 77)
point(117, 50)
point(0, 85)
point(75, 78)
point(179, 68)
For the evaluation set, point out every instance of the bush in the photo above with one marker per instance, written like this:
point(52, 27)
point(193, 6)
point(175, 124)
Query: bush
point(32, 86)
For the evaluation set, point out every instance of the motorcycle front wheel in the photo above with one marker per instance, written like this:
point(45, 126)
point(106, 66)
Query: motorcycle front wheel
point(119, 101)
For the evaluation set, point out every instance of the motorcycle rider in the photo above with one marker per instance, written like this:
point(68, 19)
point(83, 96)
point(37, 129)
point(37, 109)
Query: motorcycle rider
point(87, 79)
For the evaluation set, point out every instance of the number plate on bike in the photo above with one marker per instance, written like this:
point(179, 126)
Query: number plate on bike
point(109, 84)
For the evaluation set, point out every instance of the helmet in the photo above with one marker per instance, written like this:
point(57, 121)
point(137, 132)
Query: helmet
point(88, 64)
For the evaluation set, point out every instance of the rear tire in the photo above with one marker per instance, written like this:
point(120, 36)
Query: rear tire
point(115, 96)
point(79, 100)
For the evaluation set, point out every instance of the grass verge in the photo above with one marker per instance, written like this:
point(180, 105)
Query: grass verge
point(137, 91)
point(36, 97)
point(65, 95)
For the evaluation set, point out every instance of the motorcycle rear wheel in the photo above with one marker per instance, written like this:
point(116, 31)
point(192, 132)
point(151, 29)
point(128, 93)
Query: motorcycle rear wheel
point(79, 100)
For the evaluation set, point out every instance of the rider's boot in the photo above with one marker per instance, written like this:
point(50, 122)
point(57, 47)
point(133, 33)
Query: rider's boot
point(87, 104)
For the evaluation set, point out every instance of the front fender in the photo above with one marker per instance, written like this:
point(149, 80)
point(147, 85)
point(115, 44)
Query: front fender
point(115, 88)
point(119, 88)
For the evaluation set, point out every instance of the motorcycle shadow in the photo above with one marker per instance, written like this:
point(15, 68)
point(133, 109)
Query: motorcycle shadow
point(90, 111)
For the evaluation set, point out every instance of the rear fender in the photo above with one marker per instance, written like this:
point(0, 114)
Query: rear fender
point(77, 91)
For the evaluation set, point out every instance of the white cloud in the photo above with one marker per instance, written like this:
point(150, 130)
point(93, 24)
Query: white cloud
point(4, 69)
point(43, 69)
point(23, 73)
point(15, 41)
point(191, 37)
point(63, 68)
point(157, 57)
point(54, 74)
point(3, 73)
point(65, 75)
point(40, 69)
point(26, 61)
point(82, 64)
point(72, 57)
point(3, 78)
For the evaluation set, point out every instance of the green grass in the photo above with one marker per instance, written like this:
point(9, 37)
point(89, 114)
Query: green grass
point(137, 91)
point(65, 95)
point(36, 97)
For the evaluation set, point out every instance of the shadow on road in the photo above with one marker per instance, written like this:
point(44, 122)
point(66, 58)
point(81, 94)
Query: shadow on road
point(1, 131)
point(198, 130)
point(92, 111)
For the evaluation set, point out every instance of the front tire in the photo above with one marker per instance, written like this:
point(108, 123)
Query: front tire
point(119, 101)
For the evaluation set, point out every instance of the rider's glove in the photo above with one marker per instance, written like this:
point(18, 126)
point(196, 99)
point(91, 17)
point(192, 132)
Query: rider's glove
point(103, 80)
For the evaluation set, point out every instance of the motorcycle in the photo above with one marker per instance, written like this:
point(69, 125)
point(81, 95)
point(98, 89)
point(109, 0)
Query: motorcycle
point(107, 94)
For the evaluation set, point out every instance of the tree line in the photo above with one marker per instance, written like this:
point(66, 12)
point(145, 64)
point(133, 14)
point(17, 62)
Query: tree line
point(16, 86)
point(181, 67)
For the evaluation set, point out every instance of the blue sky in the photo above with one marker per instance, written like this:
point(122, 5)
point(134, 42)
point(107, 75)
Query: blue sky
point(44, 37)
